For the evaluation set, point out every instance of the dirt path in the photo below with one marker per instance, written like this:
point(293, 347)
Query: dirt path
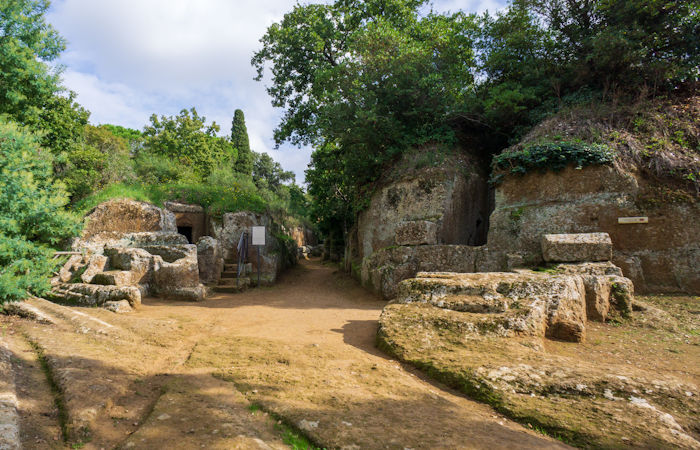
point(304, 349)
point(214, 375)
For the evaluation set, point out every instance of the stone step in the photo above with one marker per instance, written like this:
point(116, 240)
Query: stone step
point(229, 274)
point(229, 285)
point(229, 289)
point(113, 278)
point(230, 267)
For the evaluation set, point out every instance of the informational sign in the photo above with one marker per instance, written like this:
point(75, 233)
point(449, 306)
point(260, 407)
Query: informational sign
point(258, 235)
point(630, 220)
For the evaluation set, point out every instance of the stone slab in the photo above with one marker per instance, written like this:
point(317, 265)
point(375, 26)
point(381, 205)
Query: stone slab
point(577, 247)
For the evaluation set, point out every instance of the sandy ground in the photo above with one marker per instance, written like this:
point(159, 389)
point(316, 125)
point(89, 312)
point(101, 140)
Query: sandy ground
point(225, 373)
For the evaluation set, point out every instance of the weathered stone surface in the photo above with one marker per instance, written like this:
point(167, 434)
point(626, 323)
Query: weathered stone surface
point(590, 268)
point(276, 255)
point(113, 278)
point(152, 238)
point(176, 274)
point(386, 268)
point(661, 256)
point(416, 232)
point(9, 418)
point(506, 304)
point(31, 312)
point(579, 247)
point(123, 216)
point(66, 272)
point(597, 297)
point(172, 253)
point(119, 307)
point(95, 264)
point(621, 295)
point(177, 207)
point(452, 194)
point(94, 295)
point(137, 261)
point(210, 260)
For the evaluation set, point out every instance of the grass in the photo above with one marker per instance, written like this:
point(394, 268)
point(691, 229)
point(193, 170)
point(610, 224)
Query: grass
point(216, 199)
point(59, 400)
point(291, 435)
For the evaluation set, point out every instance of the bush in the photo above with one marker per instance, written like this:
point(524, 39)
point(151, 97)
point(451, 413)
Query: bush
point(548, 156)
point(32, 215)
point(153, 169)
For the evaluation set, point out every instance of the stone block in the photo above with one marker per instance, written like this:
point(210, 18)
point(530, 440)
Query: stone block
point(95, 264)
point(505, 303)
point(94, 295)
point(210, 260)
point(416, 232)
point(578, 247)
point(113, 278)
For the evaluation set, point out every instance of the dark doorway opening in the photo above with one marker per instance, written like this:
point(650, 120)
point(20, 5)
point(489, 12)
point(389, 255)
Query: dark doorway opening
point(187, 232)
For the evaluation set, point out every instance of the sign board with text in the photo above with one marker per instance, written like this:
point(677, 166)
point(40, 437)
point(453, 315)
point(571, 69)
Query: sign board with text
point(630, 220)
point(258, 235)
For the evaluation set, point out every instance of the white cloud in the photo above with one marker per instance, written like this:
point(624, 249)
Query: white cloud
point(127, 59)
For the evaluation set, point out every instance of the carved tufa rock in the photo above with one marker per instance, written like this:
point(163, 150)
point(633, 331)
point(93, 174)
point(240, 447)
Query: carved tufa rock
point(579, 247)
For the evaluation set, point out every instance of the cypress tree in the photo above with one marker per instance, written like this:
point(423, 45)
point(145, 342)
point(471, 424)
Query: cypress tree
point(240, 141)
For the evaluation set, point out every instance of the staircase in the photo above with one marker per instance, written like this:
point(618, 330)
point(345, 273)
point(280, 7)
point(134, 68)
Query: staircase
point(227, 284)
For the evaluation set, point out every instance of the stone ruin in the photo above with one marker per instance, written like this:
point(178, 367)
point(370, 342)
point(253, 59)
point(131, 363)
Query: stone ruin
point(129, 250)
point(581, 284)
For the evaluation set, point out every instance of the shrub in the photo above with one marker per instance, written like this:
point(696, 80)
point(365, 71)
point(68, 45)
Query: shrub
point(548, 156)
point(32, 215)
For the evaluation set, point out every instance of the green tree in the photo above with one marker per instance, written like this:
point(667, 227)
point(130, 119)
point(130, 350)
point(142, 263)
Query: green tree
point(32, 215)
point(363, 81)
point(240, 141)
point(133, 137)
point(189, 141)
point(334, 198)
point(27, 45)
point(268, 173)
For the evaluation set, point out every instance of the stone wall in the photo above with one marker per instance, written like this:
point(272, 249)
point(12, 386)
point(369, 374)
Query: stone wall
point(420, 219)
point(447, 204)
point(275, 256)
point(661, 256)
point(190, 216)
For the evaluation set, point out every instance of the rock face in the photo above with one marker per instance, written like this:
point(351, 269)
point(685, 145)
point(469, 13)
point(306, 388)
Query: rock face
point(121, 216)
point(433, 205)
point(525, 303)
point(506, 304)
point(191, 220)
point(385, 268)
point(210, 260)
point(660, 256)
point(95, 295)
point(421, 218)
point(276, 255)
point(579, 247)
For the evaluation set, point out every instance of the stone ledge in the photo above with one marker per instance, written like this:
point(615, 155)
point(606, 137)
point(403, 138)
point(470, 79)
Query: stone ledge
point(579, 247)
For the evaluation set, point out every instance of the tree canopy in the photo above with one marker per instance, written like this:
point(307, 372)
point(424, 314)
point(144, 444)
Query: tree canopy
point(27, 44)
point(187, 139)
point(363, 81)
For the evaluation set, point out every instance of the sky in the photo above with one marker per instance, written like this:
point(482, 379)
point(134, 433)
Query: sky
point(128, 59)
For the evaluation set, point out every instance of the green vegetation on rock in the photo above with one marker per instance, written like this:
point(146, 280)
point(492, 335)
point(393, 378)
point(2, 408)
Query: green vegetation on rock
point(549, 156)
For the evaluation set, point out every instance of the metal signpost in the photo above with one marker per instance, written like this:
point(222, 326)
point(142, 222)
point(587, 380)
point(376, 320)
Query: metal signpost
point(259, 241)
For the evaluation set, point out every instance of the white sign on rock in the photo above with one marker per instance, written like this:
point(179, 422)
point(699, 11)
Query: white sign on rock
point(258, 235)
